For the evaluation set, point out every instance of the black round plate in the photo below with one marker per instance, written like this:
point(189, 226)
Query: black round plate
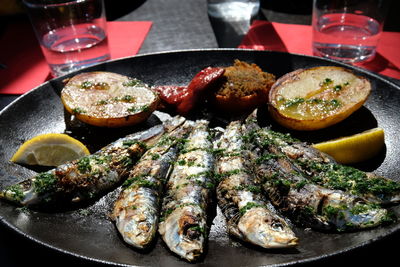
point(89, 233)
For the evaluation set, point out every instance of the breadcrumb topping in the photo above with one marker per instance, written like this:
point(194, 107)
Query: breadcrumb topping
point(243, 79)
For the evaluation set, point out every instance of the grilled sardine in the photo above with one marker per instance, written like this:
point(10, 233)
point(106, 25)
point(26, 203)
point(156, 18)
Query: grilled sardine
point(249, 216)
point(136, 211)
point(88, 177)
point(323, 170)
point(307, 204)
point(184, 213)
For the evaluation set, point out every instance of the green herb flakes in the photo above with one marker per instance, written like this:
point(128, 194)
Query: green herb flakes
point(45, 183)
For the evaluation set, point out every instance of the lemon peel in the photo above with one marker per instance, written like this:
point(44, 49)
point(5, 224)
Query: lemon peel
point(355, 148)
point(50, 149)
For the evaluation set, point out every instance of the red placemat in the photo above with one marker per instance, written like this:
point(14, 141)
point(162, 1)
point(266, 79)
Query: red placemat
point(292, 38)
point(26, 67)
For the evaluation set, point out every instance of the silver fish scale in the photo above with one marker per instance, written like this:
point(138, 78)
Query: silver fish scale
point(305, 203)
point(184, 226)
point(137, 207)
point(234, 164)
point(249, 216)
point(302, 155)
point(192, 169)
point(136, 210)
point(86, 178)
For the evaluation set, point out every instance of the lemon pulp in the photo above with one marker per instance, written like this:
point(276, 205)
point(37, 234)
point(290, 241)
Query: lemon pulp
point(355, 148)
point(49, 150)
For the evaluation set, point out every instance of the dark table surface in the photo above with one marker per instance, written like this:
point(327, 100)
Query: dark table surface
point(181, 25)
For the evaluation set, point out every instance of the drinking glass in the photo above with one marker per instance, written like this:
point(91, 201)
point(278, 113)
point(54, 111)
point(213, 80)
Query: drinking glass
point(231, 19)
point(72, 34)
point(347, 30)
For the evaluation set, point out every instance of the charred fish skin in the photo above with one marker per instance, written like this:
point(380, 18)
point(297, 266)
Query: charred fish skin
point(88, 177)
point(374, 188)
point(313, 206)
point(136, 211)
point(305, 203)
point(249, 216)
point(335, 210)
point(323, 170)
point(77, 181)
point(183, 226)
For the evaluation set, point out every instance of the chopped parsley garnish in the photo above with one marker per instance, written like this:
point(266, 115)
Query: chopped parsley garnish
point(330, 211)
point(127, 98)
point(145, 108)
point(340, 177)
point(45, 183)
point(78, 110)
point(135, 109)
point(294, 102)
point(251, 188)
point(132, 82)
point(266, 157)
point(250, 137)
point(307, 211)
point(362, 208)
point(300, 184)
point(126, 161)
point(155, 156)
point(220, 176)
point(337, 88)
point(97, 85)
point(84, 165)
point(140, 181)
point(327, 81)
point(197, 228)
point(282, 185)
point(334, 103)
point(327, 104)
point(16, 189)
point(249, 206)
point(128, 143)
point(282, 136)
point(86, 85)
point(101, 102)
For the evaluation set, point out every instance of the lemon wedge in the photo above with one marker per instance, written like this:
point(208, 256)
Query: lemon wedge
point(51, 149)
point(354, 148)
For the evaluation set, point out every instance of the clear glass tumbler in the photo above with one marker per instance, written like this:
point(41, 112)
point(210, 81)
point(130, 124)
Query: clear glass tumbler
point(347, 30)
point(231, 19)
point(72, 34)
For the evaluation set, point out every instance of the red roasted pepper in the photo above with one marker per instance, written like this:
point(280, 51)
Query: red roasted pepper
point(172, 94)
point(186, 97)
point(200, 83)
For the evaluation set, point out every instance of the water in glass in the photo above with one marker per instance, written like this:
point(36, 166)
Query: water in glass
point(74, 47)
point(346, 37)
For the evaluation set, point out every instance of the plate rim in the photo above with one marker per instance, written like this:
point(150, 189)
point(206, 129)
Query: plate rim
point(339, 252)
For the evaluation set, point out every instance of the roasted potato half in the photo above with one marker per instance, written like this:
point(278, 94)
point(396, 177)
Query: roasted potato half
point(315, 98)
point(108, 99)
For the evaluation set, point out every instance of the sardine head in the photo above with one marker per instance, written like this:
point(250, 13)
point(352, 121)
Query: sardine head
point(263, 228)
point(22, 193)
point(136, 228)
point(183, 232)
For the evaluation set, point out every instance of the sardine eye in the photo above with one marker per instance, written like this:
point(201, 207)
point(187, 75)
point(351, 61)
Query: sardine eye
point(277, 226)
point(193, 231)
